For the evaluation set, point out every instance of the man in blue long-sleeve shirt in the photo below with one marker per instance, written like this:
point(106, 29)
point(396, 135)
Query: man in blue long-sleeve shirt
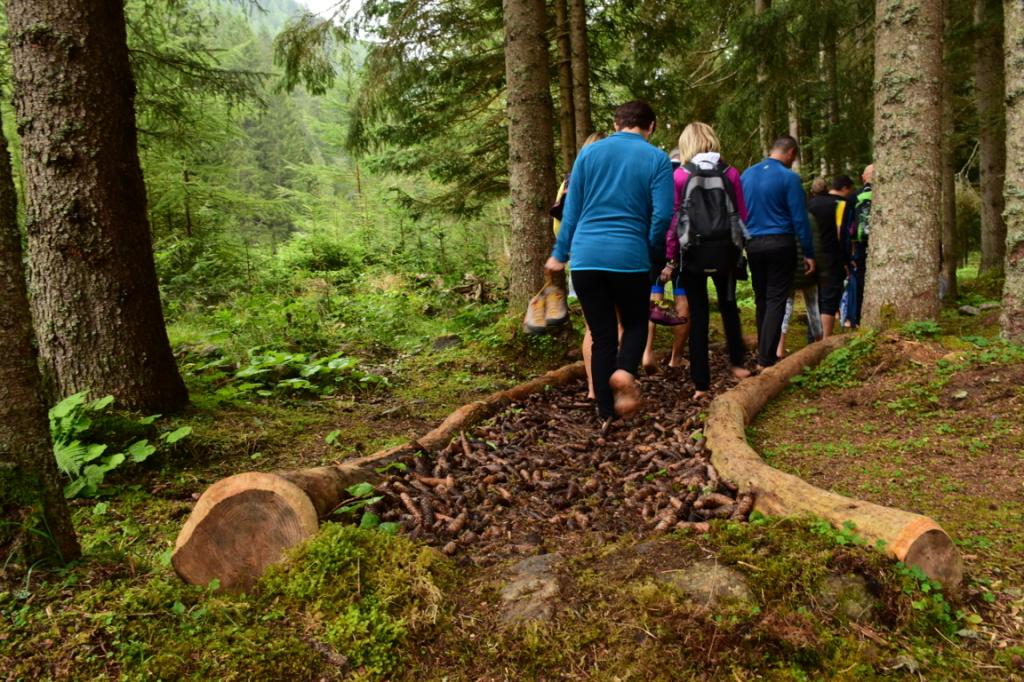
point(616, 214)
point(776, 218)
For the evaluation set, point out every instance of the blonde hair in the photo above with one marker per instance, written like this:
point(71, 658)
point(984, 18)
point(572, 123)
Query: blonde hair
point(592, 138)
point(697, 137)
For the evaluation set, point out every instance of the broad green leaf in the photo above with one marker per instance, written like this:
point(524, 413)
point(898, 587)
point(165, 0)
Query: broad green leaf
point(360, 489)
point(102, 403)
point(64, 407)
point(140, 450)
point(177, 434)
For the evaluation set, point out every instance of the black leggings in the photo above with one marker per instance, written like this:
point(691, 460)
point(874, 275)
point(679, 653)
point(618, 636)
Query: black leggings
point(601, 292)
point(771, 274)
point(696, 285)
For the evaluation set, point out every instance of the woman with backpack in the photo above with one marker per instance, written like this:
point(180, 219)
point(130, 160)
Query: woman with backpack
point(706, 239)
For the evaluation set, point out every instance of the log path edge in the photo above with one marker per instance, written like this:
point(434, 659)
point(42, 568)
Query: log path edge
point(244, 523)
point(911, 538)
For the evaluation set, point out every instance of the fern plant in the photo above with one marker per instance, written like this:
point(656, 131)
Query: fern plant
point(87, 463)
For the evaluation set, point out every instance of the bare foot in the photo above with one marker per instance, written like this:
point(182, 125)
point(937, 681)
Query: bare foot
point(677, 362)
point(740, 372)
point(697, 395)
point(627, 397)
point(649, 364)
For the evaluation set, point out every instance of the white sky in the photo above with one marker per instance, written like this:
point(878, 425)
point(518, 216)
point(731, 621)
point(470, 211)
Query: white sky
point(326, 7)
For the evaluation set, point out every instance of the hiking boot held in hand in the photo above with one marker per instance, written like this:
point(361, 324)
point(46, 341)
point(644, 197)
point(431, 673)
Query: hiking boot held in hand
point(556, 312)
point(664, 313)
point(534, 320)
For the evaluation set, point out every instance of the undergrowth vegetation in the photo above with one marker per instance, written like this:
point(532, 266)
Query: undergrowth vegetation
point(345, 605)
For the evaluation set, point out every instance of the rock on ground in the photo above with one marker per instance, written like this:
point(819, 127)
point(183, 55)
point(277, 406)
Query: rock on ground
point(531, 593)
point(710, 584)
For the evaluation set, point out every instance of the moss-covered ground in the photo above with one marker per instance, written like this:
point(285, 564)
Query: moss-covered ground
point(889, 424)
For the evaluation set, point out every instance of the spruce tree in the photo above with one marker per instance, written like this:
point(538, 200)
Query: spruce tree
point(903, 253)
point(95, 299)
point(34, 519)
point(531, 145)
point(988, 20)
point(1012, 318)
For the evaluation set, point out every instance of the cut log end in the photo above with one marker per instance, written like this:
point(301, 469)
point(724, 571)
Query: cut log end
point(240, 526)
point(936, 555)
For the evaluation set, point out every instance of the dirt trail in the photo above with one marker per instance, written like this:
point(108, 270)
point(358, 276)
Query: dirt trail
point(517, 483)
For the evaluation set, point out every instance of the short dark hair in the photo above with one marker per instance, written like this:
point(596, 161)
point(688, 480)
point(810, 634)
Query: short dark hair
point(635, 114)
point(785, 143)
point(841, 182)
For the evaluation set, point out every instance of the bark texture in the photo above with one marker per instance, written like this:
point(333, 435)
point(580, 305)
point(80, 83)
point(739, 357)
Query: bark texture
point(567, 108)
point(830, 66)
point(989, 82)
point(1012, 321)
point(31, 498)
point(580, 70)
point(94, 289)
point(950, 245)
point(531, 163)
point(903, 253)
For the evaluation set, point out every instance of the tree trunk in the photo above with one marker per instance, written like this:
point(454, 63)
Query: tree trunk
point(531, 160)
point(794, 129)
point(832, 162)
point(1012, 321)
point(567, 121)
point(580, 70)
point(763, 119)
point(94, 290)
point(989, 82)
point(32, 502)
point(185, 178)
point(903, 253)
point(950, 246)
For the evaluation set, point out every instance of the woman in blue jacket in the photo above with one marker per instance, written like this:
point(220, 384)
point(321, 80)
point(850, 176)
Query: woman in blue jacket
point(616, 215)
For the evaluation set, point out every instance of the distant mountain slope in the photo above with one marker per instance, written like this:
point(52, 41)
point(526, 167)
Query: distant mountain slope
point(270, 15)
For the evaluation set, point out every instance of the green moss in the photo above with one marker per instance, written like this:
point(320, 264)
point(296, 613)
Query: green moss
point(368, 589)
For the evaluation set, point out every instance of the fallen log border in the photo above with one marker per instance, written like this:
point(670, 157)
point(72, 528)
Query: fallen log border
point(911, 538)
point(243, 523)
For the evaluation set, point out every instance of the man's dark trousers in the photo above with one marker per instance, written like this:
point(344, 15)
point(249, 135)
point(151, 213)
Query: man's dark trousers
point(771, 273)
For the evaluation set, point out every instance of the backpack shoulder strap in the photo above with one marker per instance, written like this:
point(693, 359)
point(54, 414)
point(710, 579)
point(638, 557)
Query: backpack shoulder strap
point(730, 189)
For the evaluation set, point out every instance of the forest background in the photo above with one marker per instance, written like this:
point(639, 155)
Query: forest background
point(332, 230)
point(260, 193)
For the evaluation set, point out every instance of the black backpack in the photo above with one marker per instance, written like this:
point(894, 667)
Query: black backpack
point(711, 234)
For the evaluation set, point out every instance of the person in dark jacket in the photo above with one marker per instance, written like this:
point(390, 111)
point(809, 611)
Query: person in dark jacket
point(617, 212)
point(855, 249)
point(776, 218)
point(833, 215)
